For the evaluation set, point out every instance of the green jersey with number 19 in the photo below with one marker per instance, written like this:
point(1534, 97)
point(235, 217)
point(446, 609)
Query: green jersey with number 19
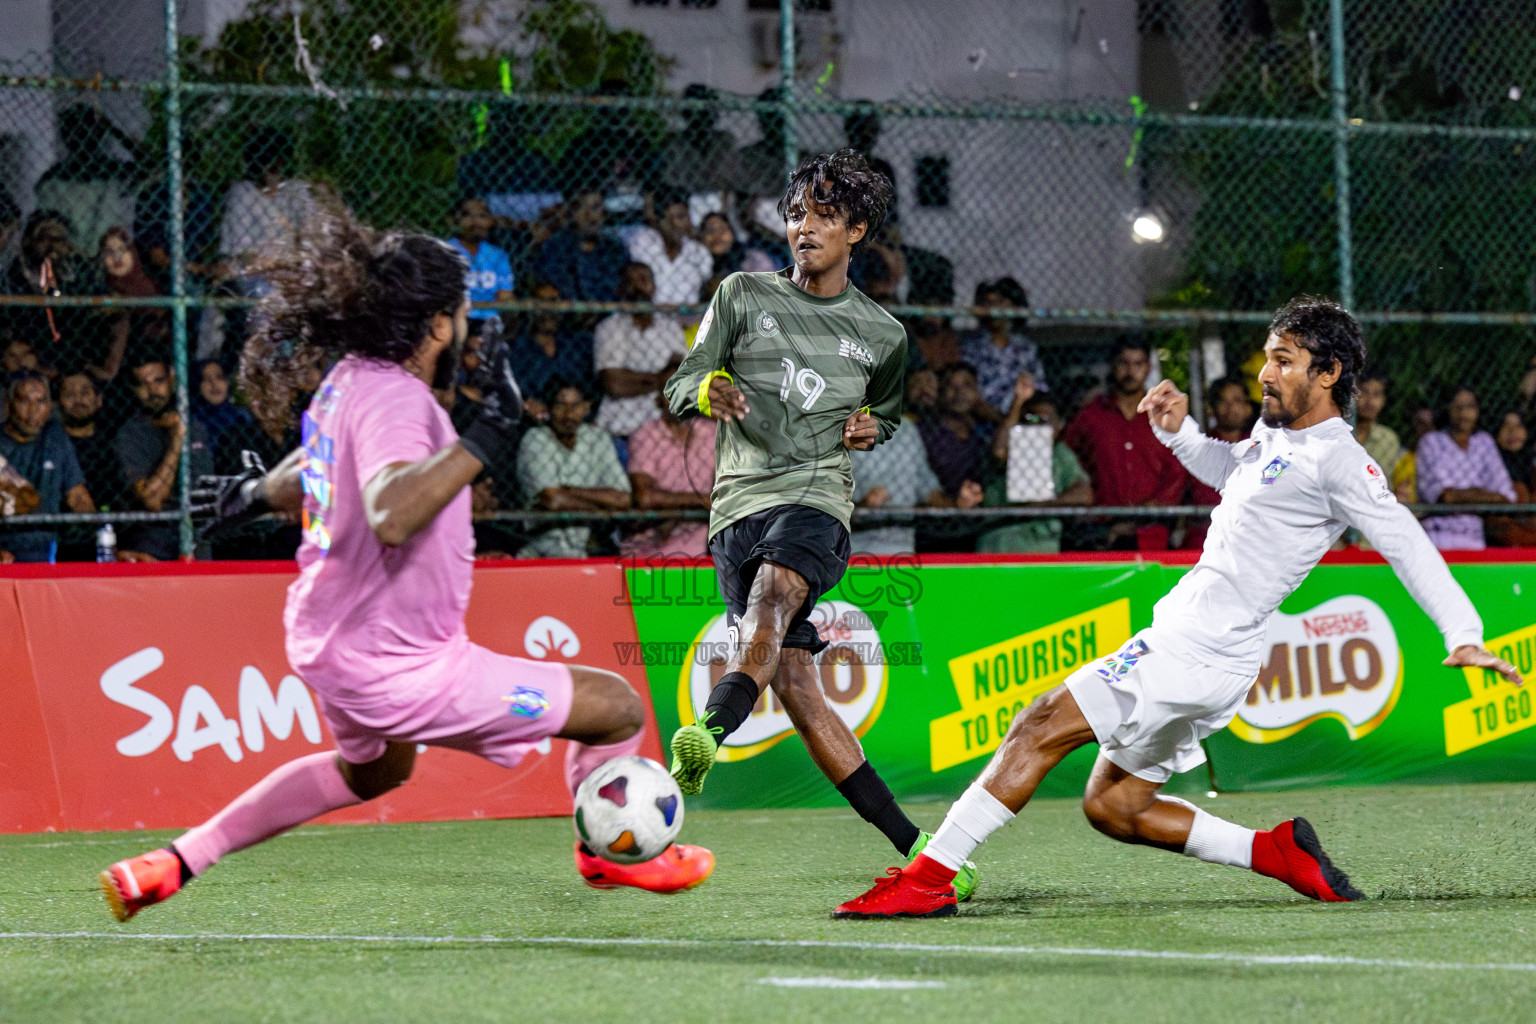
point(805, 364)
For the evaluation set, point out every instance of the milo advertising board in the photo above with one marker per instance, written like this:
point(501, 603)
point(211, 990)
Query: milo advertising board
point(1353, 690)
point(927, 665)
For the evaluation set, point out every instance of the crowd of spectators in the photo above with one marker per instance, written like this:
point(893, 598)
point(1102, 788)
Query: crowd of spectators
point(91, 422)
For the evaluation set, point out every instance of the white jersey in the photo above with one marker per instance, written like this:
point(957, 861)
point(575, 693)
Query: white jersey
point(1286, 496)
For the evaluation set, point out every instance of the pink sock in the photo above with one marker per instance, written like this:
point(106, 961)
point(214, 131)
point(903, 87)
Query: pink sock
point(582, 760)
point(289, 796)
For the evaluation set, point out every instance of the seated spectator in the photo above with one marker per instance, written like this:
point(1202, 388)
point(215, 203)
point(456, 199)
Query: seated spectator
point(547, 350)
point(1513, 440)
point(582, 260)
point(1526, 390)
point(937, 345)
point(568, 466)
point(894, 475)
point(36, 447)
point(17, 356)
point(49, 264)
point(1405, 473)
point(999, 349)
point(489, 278)
point(1125, 461)
point(1068, 481)
point(1380, 442)
point(679, 264)
point(91, 187)
point(149, 456)
point(80, 411)
point(956, 442)
point(124, 275)
point(702, 157)
point(200, 221)
point(1460, 465)
point(671, 465)
point(631, 351)
point(1229, 417)
point(719, 239)
point(230, 427)
point(922, 394)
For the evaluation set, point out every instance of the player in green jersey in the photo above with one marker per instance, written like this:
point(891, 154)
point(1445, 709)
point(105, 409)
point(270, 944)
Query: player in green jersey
point(799, 367)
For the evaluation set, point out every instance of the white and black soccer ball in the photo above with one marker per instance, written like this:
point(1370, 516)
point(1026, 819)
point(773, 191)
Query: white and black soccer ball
point(629, 810)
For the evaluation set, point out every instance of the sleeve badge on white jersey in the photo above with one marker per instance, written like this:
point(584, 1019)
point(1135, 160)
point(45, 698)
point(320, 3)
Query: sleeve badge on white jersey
point(1376, 484)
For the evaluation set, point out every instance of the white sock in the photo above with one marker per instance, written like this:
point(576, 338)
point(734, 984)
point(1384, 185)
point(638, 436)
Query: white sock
point(1216, 841)
point(976, 815)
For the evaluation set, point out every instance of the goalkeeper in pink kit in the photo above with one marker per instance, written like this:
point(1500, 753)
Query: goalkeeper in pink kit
point(375, 621)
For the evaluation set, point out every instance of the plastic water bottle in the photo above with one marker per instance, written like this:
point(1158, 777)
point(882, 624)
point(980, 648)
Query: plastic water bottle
point(106, 543)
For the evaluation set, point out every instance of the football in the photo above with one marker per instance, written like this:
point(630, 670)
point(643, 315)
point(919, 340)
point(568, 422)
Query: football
point(629, 810)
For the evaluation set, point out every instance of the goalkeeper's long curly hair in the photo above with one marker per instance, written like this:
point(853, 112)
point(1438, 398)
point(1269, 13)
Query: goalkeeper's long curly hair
point(341, 288)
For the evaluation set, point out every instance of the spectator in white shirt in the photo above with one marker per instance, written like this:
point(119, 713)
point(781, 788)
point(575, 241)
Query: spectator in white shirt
point(630, 354)
point(264, 209)
point(679, 264)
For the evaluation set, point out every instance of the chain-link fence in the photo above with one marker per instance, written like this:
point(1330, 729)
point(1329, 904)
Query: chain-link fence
point(1093, 195)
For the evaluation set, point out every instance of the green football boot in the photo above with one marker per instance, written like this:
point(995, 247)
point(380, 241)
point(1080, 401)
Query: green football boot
point(693, 755)
point(965, 878)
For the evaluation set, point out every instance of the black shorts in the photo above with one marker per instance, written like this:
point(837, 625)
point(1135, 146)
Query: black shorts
point(802, 539)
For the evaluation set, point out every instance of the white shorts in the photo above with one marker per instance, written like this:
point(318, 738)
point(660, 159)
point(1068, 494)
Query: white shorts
point(1150, 707)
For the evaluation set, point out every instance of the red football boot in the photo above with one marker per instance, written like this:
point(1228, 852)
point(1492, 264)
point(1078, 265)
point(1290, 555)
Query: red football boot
point(679, 867)
point(149, 878)
point(899, 894)
point(1290, 852)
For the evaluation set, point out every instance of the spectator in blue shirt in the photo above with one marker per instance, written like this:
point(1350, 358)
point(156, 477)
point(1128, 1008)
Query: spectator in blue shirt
point(35, 445)
point(546, 351)
point(490, 269)
point(582, 260)
point(1000, 350)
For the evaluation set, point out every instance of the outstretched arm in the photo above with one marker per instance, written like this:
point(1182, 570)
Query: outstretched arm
point(1208, 459)
point(1361, 497)
point(404, 497)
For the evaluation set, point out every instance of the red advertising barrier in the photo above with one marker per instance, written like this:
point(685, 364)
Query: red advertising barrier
point(150, 700)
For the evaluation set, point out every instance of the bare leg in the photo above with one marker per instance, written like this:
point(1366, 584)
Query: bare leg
point(832, 745)
point(777, 594)
point(836, 750)
point(1047, 731)
point(605, 709)
point(606, 722)
point(1037, 741)
point(1129, 809)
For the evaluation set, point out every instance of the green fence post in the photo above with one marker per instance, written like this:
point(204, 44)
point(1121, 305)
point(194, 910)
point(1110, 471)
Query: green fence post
point(1341, 152)
point(787, 84)
point(178, 265)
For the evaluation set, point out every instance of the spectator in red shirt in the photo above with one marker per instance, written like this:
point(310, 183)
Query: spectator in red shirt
point(1128, 465)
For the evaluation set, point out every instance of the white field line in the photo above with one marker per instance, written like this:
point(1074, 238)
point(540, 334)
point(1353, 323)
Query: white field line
point(847, 983)
point(1241, 959)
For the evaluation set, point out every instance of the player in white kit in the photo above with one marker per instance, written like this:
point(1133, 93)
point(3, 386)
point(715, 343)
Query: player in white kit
point(1287, 493)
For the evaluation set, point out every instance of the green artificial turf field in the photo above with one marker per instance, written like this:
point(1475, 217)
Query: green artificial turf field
point(487, 921)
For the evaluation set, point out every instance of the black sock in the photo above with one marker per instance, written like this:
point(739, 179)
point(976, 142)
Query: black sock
point(730, 702)
point(186, 872)
point(867, 793)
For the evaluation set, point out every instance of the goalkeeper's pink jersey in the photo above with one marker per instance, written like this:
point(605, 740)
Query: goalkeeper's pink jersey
point(365, 621)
